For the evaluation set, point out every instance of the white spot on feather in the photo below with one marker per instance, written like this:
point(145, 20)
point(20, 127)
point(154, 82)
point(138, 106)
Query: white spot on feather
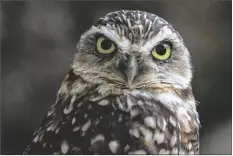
point(150, 121)
point(129, 24)
point(126, 148)
point(140, 103)
point(76, 128)
point(119, 103)
point(162, 124)
point(98, 137)
point(145, 16)
point(90, 107)
point(124, 17)
point(163, 151)
point(73, 120)
point(138, 152)
point(86, 126)
point(50, 111)
point(64, 147)
point(119, 19)
point(129, 102)
point(106, 18)
point(96, 122)
point(134, 112)
point(134, 132)
point(174, 150)
point(189, 146)
point(103, 102)
point(70, 108)
point(159, 137)
point(113, 146)
point(52, 127)
point(57, 130)
point(149, 27)
point(79, 104)
point(173, 140)
point(172, 121)
point(76, 149)
point(147, 134)
point(120, 118)
point(36, 139)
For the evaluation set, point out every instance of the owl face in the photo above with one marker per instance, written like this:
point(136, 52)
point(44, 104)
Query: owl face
point(133, 50)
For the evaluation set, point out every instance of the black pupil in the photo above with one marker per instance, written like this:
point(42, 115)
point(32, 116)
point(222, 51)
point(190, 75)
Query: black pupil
point(106, 44)
point(161, 49)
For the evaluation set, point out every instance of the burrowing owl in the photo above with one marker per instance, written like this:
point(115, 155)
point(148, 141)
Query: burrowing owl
point(128, 92)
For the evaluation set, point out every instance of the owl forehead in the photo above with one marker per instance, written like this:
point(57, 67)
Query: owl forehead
point(134, 25)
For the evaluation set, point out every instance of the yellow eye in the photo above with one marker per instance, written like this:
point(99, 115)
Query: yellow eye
point(161, 51)
point(105, 46)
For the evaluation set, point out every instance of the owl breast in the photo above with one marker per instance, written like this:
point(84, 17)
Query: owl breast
point(130, 123)
point(136, 124)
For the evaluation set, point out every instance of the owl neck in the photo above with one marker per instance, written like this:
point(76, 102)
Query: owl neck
point(173, 99)
point(166, 94)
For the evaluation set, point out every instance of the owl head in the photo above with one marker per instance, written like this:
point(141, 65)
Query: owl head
point(133, 50)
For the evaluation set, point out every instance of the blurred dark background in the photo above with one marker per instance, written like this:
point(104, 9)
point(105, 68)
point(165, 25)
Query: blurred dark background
point(38, 40)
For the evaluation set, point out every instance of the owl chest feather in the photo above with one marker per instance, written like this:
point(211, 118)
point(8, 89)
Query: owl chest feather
point(131, 123)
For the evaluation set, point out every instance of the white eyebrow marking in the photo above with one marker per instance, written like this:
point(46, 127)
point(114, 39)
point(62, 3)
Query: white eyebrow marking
point(163, 33)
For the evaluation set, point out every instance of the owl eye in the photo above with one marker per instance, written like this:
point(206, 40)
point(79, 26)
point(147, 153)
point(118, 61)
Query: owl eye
point(161, 51)
point(105, 46)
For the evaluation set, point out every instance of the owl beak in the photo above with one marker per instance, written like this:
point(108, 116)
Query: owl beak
point(128, 66)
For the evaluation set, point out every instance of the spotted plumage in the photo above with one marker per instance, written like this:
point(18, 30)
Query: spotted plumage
point(119, 97)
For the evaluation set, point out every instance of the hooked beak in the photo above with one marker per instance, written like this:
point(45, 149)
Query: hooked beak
point(128, 66)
